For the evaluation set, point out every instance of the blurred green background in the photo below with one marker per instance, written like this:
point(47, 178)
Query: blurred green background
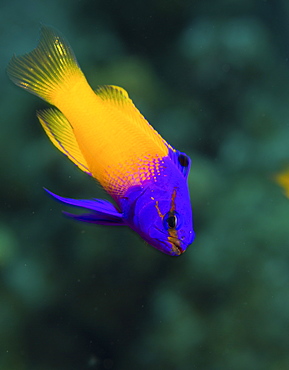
point(213, 78)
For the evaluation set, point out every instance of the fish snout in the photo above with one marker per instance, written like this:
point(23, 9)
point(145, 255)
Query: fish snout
point(176, 246)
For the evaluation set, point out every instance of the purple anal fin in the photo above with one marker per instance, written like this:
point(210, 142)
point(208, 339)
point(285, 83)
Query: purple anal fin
point(102, 212)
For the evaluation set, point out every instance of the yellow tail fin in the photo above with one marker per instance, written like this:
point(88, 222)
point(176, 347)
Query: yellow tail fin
point(43, 70)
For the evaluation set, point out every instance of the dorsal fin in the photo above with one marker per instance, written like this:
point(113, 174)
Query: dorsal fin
point(181, 160)
point(60, 132)
point(115, 94)
point(118, 98)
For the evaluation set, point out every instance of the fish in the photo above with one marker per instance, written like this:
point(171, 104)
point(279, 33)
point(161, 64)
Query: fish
point(282, 179)
point(103, 133)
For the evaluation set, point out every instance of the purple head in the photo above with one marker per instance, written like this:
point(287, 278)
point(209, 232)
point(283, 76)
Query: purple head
point(158, 210)
point(161, 212)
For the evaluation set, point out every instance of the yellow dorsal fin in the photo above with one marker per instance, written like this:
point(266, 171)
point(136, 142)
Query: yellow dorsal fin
point(118, 98)
point(45, 68)
point(115, 94)
point(60, 132)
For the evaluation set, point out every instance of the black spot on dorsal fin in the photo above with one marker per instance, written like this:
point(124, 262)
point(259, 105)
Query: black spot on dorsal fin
point(183, 160)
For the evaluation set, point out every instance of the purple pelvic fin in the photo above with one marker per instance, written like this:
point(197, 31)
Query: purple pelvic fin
point(102, 212)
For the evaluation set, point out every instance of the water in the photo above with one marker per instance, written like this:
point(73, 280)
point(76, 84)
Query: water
point(213, 79)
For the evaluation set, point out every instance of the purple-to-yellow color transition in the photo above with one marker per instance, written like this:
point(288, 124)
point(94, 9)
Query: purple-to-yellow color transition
point(105, 135)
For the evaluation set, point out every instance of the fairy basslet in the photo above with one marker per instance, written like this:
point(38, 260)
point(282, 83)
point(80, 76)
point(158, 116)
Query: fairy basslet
point(104, 134)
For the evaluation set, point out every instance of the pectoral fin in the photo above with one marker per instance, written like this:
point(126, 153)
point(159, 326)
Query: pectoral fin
point(101, 212)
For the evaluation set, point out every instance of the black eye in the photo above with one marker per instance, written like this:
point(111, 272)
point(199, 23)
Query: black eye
point(183, 160)
point(172, 221)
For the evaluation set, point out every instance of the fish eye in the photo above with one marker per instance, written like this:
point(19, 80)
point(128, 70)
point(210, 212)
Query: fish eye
point(170, 220)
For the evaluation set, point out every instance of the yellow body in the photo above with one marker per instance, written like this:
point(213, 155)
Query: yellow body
point(102, 132)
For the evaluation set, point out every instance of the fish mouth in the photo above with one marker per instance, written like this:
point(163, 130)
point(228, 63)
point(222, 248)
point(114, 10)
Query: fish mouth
point(176, 246)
